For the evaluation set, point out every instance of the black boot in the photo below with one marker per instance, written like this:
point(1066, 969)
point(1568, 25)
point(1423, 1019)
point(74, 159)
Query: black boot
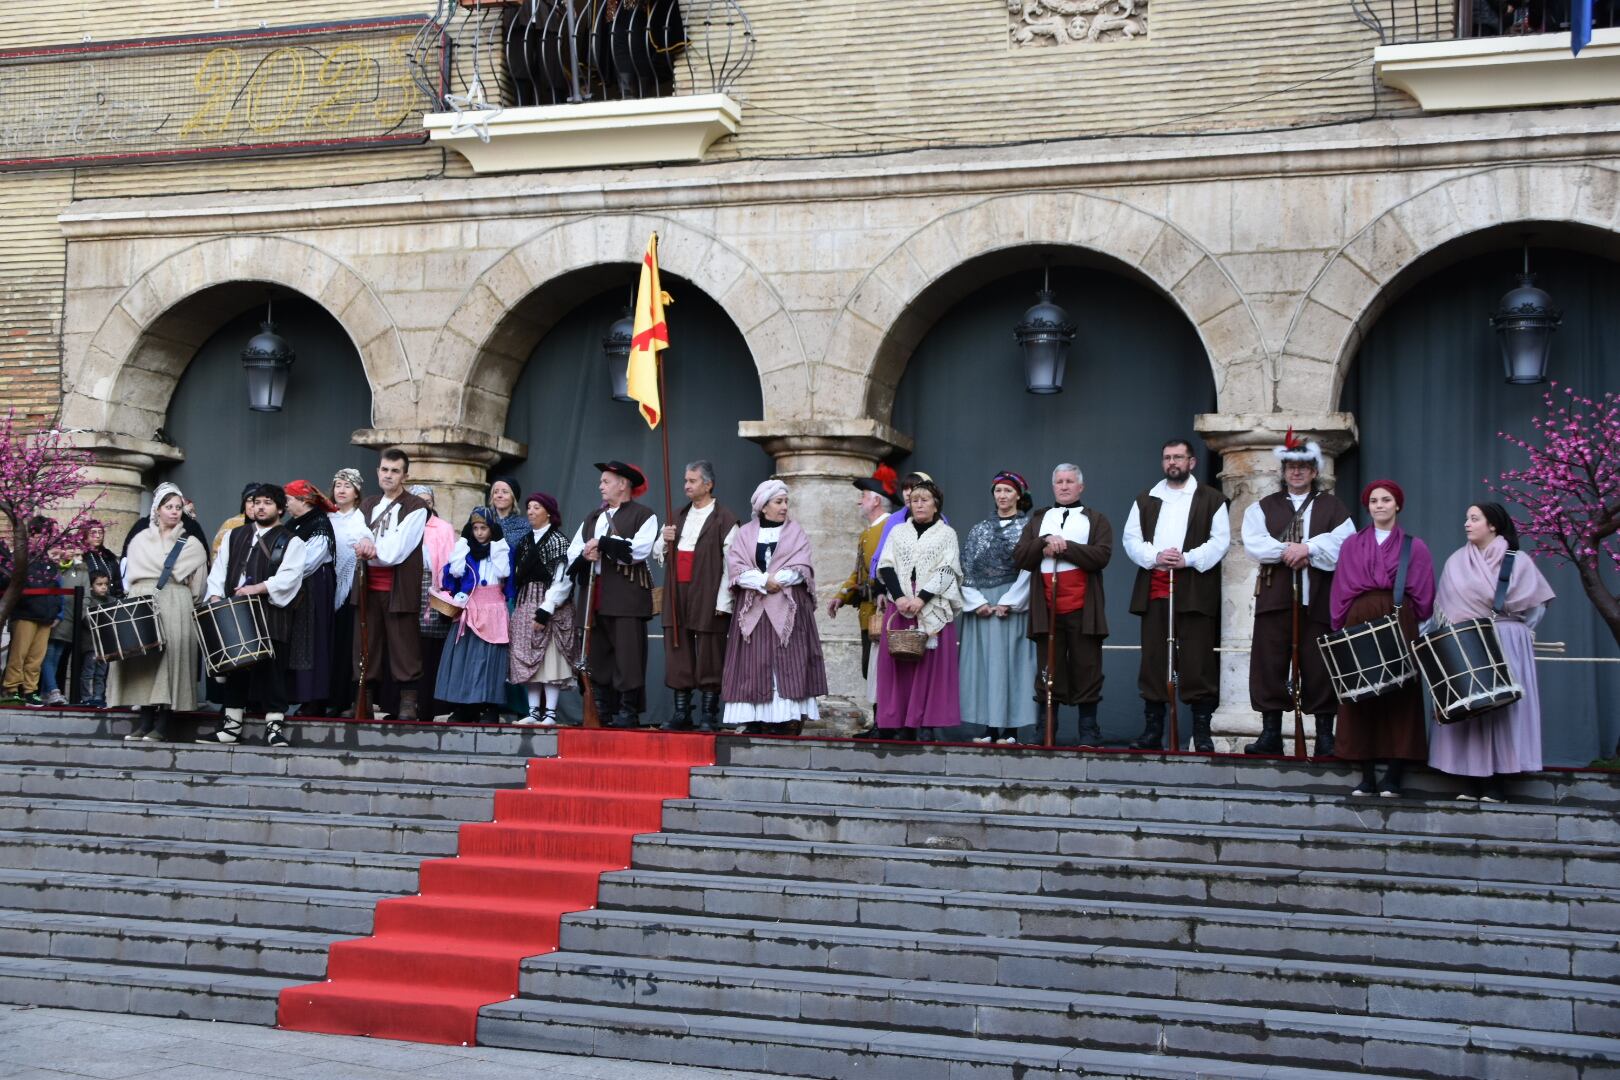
point(1270, 740)
point(1390, 786)
point(711, 711)
point(607, 705)
point(682, 720)
point(1324, 735)
point(1369, 779)
point(1202, 741)
point(1152, 737)
point(1090, 732)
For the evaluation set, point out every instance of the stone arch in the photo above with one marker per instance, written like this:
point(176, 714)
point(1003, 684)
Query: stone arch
point(480, 352)
point(1364, 276)
point(125, 376)
point(882, 322)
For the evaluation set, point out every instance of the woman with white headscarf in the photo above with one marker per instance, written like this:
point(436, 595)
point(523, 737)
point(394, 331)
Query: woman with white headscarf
point(170, 565)
point(348, 528)
point(774, 668)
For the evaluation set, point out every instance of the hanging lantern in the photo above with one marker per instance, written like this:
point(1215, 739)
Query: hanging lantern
point(616, 347)
point(1044, 336)
point(1524, 324)
point(268, 360)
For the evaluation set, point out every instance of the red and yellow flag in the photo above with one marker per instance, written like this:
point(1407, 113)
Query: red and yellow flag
point(651, 336)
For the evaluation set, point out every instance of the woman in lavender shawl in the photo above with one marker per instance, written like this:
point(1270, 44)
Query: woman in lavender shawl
point(774, 667)
point(1507, 740)
point(1389, 727)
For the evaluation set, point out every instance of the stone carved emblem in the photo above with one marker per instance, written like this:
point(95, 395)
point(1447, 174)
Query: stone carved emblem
point(1062, 22)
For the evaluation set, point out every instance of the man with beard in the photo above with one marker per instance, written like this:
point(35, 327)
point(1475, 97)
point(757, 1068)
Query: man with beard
point(701, 596)
point(1179, 527)
point(259, 558)
point(391, 580)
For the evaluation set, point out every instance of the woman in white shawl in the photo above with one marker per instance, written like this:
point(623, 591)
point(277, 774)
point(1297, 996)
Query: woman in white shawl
point(921, 572)
point(160, 683)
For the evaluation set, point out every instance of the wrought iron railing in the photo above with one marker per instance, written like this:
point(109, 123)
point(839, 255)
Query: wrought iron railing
point(1399, 22)
point(480, 54)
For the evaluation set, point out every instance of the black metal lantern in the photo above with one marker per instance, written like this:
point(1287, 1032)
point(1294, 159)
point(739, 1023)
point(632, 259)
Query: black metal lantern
point(268, 360)
point(1044, 336)
point(1524, 324)
point(616, 347)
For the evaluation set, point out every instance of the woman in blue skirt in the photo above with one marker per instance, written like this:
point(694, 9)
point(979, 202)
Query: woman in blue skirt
point(472, 671)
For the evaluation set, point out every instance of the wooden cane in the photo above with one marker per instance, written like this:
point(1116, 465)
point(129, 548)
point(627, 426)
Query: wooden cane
point(1299, 712)
point(1170, 669)
point(1051, 661)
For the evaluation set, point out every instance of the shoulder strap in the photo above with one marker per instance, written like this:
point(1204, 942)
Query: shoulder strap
point(1400, 571)
point(168, 564)
point(1502, 580)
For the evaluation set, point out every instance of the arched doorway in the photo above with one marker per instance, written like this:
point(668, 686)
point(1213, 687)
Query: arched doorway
point(226, 444)
point(562, 408)
point(1137, 376)
point(1429, 396)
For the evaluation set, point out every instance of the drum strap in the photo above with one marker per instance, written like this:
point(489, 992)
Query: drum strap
point(1502, 579)
point(168, 564)
point(1400, 571)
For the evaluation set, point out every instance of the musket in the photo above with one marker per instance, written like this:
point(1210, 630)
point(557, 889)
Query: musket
point(362, 697)
point(588, 709)
point(1047, 677)
point(1299, 713)
point(1170, 680)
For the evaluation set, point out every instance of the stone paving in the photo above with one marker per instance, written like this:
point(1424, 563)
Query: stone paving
point(58, 1044)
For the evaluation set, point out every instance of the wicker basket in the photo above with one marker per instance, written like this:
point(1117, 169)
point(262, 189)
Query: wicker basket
point(904, 644)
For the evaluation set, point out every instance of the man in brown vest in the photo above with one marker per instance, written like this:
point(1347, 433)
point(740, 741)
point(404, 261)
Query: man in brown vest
point(702, 534)
point(613, 543)
point(1178, 527)
point(388, 573)
point(1295, 535)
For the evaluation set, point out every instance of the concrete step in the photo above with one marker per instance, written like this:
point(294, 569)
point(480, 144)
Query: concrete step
point(1439, 936)
point(1021, 876)
point(225, 825)
point(393, 766)
point(1579, 1006)
point(177, 787)
point(1469, 1045)
point(835, 1052)
point(1226, 845)
point(195, 947)
point(193, 860)
point(50, 982)
point(1138, 799)
point(1563, 787)
point(280, 907)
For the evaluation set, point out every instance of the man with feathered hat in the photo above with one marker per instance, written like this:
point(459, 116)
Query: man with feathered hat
point(1294, 534)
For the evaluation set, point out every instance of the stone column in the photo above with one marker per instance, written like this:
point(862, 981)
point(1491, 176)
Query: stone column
point(453, 461)
point(1250, 471)
point(117, 476)
point(818, 459)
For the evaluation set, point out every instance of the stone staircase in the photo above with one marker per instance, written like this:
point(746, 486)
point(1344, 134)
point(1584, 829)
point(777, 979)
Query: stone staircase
point(848, 910)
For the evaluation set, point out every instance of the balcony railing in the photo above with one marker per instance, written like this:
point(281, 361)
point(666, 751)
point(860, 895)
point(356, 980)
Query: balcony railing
point(1401, 22)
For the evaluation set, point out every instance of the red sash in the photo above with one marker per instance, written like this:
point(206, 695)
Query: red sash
point(1071, 590)
point(379, 578)
point(1159, 585)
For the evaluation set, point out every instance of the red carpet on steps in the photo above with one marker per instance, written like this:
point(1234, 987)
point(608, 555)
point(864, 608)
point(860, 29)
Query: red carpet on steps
point(436, 958)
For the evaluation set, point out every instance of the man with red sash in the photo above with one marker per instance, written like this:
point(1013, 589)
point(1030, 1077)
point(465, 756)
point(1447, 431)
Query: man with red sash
point(388, 572)
point(612, 544)
point(702, 534)
point(1178, 526)
point(1068, 545)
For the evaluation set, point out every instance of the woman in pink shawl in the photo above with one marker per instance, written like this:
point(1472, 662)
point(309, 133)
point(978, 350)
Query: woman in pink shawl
point(1390, 727)
point(774, 668)
point(1503, 741)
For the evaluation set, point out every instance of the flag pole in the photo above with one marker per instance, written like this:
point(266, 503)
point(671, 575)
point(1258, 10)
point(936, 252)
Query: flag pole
point(672, 567)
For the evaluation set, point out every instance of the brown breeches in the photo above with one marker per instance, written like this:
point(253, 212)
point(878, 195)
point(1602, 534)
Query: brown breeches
point(394, 641)
point(1079, 663)
point(1197, 664)
point(619, 652)
point(698, 664)
point(1270, 659)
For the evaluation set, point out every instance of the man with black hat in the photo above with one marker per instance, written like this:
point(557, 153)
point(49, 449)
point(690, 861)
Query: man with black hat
point(612, 544)
point(877, 499)
point(260, 558)
point(701, 596)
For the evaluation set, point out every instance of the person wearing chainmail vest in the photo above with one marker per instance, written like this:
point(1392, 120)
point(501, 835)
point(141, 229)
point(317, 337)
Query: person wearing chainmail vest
point(613, 544)
point(261, 558)
point(1296, 531)
point(1182, 527)
point(702, 533)
point(389, 581)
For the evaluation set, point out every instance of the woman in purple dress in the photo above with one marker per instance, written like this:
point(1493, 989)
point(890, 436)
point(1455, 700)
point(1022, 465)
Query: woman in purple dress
point(774, 667)
point(921, 571)
point(1504, 741)
point(1389, 727)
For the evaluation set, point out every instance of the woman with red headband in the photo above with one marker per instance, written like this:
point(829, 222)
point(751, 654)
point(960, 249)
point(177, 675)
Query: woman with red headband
point(309, 640)
point(1390, 727)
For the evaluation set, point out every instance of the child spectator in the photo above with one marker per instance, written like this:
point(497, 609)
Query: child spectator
point(93, 669)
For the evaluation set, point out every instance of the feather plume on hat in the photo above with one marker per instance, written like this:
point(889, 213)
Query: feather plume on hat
point(1294, 448)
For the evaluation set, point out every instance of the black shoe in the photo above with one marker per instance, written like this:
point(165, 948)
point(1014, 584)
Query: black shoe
point(1493, 790)
point(624, 718)
point(682, 720)
point(1324, 735)
point(1369, 781)
point(1152, 737)
point(1270, 740)
point(1390, 786)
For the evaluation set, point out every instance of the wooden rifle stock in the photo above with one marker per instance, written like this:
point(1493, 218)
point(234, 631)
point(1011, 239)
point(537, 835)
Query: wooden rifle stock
point(1170, 670)
point(362, 696)
point(1299, 714)
point(588, 706)
point(1051, 662)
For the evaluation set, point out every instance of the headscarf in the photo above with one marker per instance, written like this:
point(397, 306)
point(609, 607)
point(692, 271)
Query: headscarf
point(352, 478)
point(477, 549)
point(1012, 479)
point(163, 491)
point(421, 491)
point(1366, 566)
point(1388, 485)
point(553, 511)
point(308, 492)
point(766, 491)
point(1468, 583)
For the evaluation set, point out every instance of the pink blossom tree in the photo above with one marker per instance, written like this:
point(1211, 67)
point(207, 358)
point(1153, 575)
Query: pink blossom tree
point(1571, 490)
point(39, 474)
